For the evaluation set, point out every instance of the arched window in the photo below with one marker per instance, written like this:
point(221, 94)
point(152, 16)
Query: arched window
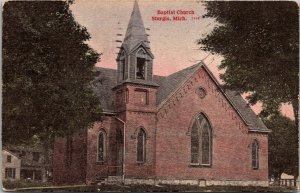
point(101, 146)
point(141, 146)
point(255, 154)
point(201, 141)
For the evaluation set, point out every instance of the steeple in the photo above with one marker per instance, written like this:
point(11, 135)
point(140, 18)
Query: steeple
point(135, 33)
point(135, 59)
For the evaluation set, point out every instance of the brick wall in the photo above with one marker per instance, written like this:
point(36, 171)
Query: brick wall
point(168, 139)
point(73, 170)
point(134, 121)
point(231, 142)
point(129, 98)
point(97, 169)
point(140, 115)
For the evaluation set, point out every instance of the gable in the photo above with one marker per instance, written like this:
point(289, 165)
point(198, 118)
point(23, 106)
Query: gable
point(253, 122)
point(144, 47)
point(7, 152)
point(173, 83)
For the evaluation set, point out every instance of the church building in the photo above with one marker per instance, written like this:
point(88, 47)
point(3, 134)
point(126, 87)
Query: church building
point(178, 129)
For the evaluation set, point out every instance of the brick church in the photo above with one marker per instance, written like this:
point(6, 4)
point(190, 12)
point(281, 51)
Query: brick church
point(177, 129)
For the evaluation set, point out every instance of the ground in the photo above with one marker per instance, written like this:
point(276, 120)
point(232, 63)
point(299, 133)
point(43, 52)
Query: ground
point(17, 186)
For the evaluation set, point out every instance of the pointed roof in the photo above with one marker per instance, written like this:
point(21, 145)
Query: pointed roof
point(135, 33)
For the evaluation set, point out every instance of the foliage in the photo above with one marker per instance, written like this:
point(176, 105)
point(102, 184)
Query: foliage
point(47, 69)
point(260, 45)
point(283, 146)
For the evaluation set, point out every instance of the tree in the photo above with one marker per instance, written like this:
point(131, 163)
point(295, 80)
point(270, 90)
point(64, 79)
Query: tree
point(260, 45)
point(283, 146)
point(47, 70)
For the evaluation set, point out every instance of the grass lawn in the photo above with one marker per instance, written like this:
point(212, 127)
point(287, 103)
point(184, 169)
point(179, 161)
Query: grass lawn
point(24, 184)
point(142, 188)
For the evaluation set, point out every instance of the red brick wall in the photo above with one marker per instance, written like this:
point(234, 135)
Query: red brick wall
point(134, 95)
point(168, 139)
point(75, 171)
point(95, 168)
point(138, 115)
point(231, 147)
point(135, 120)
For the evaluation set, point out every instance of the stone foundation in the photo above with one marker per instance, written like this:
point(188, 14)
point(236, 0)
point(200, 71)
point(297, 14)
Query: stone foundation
point(197, 182)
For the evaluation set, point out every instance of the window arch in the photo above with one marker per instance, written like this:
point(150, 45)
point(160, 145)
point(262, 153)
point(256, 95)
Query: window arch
point(201, 141)
point(141, 146)
point(255, 154)
point(101, 154)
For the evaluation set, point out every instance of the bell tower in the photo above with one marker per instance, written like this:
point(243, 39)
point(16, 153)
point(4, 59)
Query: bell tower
point(135, 66)
point(135, 56)
point(136, 99)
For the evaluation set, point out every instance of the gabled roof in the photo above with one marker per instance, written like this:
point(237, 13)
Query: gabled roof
point(102, 86)
point(240, 105)
point(254, 122)
point(172, 82)
point(12, 153)
point(107, 79)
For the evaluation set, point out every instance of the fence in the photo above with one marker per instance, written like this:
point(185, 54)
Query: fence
point(284, 182)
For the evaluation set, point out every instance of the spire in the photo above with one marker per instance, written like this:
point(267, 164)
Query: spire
point(135, 33)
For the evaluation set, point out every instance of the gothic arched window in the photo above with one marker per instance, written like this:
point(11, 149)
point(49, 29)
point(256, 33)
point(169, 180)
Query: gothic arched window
point(201, 141)
point(101, 146)
point(141, 146)
point(255, 154)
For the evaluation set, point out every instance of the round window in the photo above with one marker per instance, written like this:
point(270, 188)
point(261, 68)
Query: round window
point(201, 92)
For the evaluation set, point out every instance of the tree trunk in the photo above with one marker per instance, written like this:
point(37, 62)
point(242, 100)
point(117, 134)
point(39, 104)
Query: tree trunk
point(295, 109)
point(46, 157)
point(47, 145)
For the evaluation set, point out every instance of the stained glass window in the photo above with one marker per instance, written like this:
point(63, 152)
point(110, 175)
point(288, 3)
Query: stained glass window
point(201, 141)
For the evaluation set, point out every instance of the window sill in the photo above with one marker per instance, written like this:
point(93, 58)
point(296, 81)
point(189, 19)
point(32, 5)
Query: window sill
point(100, 162)
point(140, 163)
point(192, 165)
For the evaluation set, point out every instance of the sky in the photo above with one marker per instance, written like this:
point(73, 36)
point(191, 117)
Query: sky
point(173, 43)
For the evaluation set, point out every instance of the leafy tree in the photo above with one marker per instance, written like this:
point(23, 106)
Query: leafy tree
point(47, 70)
point(283, 146)
point(260, 45)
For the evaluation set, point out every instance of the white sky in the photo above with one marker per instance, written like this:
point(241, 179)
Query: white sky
point(173, 43)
